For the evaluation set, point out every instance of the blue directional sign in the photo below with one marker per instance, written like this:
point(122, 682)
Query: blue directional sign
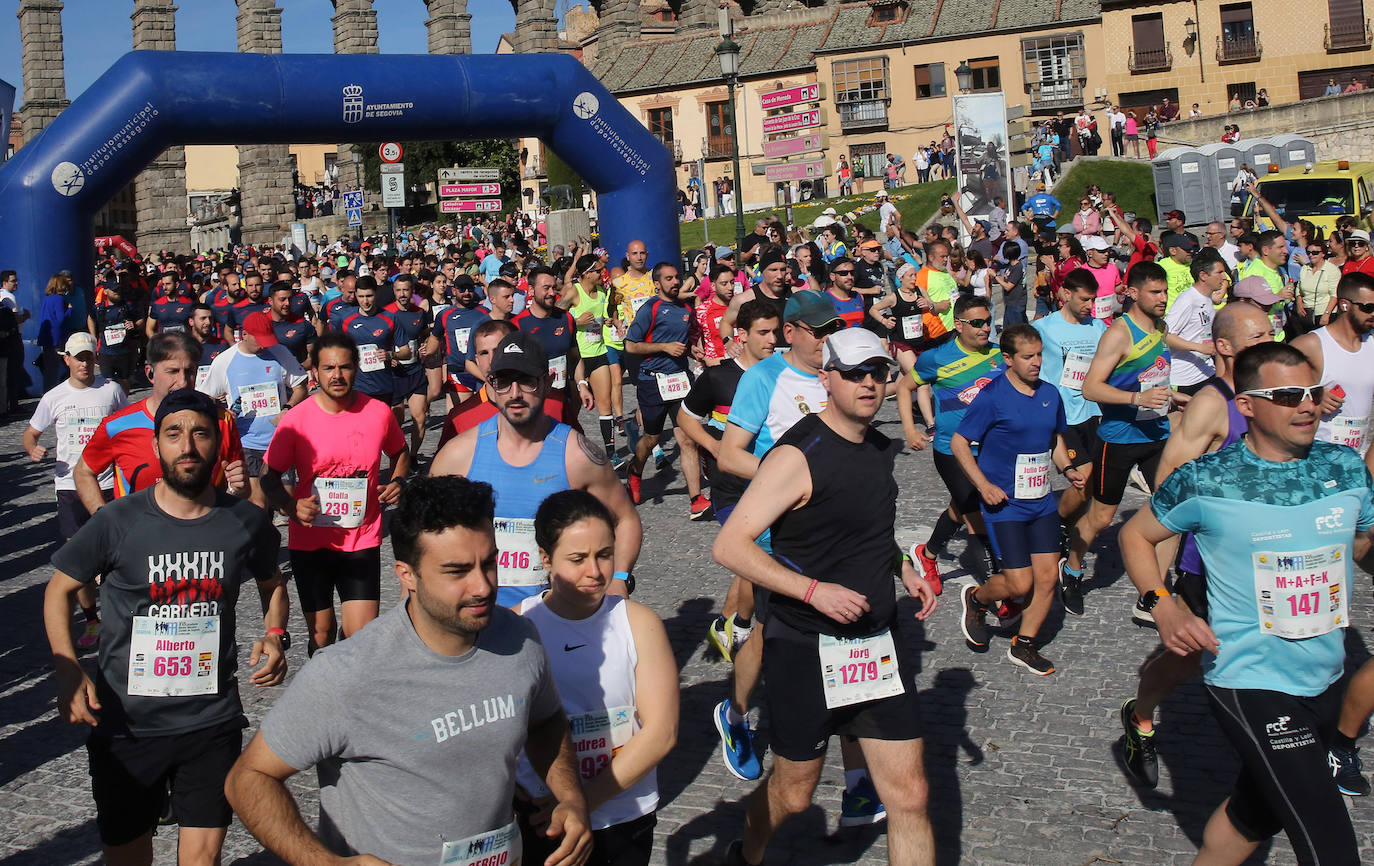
point(353, 200)
point(355, 215)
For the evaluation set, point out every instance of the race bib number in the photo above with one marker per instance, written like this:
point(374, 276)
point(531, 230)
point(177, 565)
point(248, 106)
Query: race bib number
point(854, 670)
point(597, 736)
point(517, 562)
point(371, 358)
point(558, 371)
point(636, 303)
point(912, 327)
point(1102, 306)
point(673, 386)
point(414, 347)
point(1344, 430)
point(1155, 377)
point(1302, 594)
point(115, 334)
point(202, 375)
point(172, 658)
point(1032, 476)
point(172, 329)
point(460, 337)
point(262, 400)
point(343, 502)
point(494, 848)
point(1075, 370)
point(75, 431)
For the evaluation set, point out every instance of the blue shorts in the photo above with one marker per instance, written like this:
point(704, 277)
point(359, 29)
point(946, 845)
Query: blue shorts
point(613, 355)
point(1013, 541)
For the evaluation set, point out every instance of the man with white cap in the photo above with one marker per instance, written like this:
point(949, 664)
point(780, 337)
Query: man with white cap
point(76, 407)
point(816, 491)
point(828, 217)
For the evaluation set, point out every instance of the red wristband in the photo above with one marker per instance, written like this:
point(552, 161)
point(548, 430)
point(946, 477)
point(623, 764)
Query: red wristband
point(809, 590)
point(276, 631)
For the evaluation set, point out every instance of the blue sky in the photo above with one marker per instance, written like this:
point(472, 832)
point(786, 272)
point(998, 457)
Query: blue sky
point(95, 33)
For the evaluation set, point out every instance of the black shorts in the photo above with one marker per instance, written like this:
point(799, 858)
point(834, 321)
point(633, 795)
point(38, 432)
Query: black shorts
point(1285, 783)
point(1112, 466)
point(801, 722)
point(1081, 442)
point(410, 381)
point(72, 513)
point(116, 366)
point(129, 777)
point(1014, 541)
point(654, 412)
point(356, 575)
point(961, 490)
point(629, 843)
point(591, 364)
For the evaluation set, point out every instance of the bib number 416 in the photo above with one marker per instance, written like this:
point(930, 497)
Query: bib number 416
point(514, 559)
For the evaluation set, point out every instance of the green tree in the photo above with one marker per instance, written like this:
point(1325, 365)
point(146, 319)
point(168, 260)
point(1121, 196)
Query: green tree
point(562, 174)
point(423, 159)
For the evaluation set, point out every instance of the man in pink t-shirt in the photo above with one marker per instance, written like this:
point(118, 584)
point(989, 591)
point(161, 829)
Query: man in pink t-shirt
point(335, 440)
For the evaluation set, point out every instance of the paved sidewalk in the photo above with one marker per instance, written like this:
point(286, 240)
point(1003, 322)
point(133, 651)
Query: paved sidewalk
point(1023, 770)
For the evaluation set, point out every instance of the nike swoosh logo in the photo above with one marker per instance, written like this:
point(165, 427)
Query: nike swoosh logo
point(538, 479)
point(569, 648)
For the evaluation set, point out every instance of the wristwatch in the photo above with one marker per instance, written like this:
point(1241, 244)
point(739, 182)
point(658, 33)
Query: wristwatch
point(1148, 601)
point(284, 635)
point(629, 578)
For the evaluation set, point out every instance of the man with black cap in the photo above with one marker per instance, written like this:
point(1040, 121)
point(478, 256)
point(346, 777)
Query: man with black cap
point(526, 456)
point(662, 333)
point(1173, 224)
point(1177, 261)
point(454, 328)
point(259, 380)
point(775, 287)
point(164, 703)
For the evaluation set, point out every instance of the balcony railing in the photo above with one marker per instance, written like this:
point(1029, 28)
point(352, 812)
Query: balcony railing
point(1061, 93)
point(1243, 48)
point(674, 147)
point(1151, 59)
point(860, 115)
point(1347, 34)
point(716, 147)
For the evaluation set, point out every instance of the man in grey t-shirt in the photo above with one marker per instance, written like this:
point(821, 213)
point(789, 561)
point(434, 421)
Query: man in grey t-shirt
point(414, 723)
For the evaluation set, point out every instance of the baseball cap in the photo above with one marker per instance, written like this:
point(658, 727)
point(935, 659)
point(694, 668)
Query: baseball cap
point(882, 193)
point(987, 226)
point(260, 326)
point(723, 253)
point(771, 258)
point(853, 347)
point(1357, 235)
point(343, 261)
point(184, 399)
point(79, 342)
point(1095, 242)
point(1040, 185)
point(1178, 239)
point(809, 308)
point(870, 244)
point(1256, 288)
point(519, 352)
point(1174, 215)
point(830, 212)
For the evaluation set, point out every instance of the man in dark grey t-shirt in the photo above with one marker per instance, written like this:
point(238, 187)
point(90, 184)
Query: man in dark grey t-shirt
point(414, 723)
point(164, 705)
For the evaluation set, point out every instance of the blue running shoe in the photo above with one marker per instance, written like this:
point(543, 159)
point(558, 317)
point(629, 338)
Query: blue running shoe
point(861, 806)
point(736, 745)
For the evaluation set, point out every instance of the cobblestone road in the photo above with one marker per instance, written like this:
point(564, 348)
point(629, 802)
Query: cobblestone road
point(1023, 770)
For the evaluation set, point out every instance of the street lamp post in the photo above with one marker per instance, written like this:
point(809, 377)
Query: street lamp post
point(728, 54)
point(963, 74)
point(1195, 34)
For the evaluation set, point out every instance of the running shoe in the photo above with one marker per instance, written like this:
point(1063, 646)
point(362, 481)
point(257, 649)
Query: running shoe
point(1008, 611)
point(1140, 615)
point(736, 745)
point(701, 506)
point(739, 636)
point(1070, 589)
point(861, 806)
point(1142, 762)
point(635, 483)
point(1138, 480)
point(719, 634)
point(929, 566)
point(1348, 771)
point(1024, 653)
point(661, 460)
point(974, 621)
point(90, 638)
point(620, 461)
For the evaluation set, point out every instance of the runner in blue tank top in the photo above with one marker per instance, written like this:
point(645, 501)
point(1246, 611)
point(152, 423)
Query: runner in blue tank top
point(525, 456)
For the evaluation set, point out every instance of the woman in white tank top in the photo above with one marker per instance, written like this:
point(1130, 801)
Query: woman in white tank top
point(617, 679)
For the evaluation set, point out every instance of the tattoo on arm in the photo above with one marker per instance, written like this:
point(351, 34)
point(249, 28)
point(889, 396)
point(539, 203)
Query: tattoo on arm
point(593, 452)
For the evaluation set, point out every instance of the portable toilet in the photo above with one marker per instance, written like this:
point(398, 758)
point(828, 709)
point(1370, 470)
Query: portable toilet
point(1185, 179)
point(1226, 161)
point(1260, 153)
point(1293, 149)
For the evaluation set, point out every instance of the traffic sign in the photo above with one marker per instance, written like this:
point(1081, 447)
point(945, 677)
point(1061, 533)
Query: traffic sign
point(795, 145)
point(458, 175)
point(390, 151)
point(475, 205)
point(813, 92)
point(804, 170)
point(355, 215)
point(353, 200)
point(454, 190)
point(393, 185)
point(812, 117)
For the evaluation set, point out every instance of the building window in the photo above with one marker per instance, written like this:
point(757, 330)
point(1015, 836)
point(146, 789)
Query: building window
point(661, 125)
point(930, 80)
point(719, 135)
point(987, 74)
point(1245, 90)
point(1054, 70)
point(1347, 27)
point(1149, 51)
point(869, 160)
point(887, 12)
point(1239, 40)
point(861, 93)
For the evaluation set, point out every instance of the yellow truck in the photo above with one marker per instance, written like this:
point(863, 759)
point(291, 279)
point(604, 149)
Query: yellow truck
point(1321, 192)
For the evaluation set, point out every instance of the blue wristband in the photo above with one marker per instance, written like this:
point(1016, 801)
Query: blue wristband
point(621, 575)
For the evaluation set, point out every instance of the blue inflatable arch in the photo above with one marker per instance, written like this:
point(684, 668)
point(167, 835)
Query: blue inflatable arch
point(148, 101)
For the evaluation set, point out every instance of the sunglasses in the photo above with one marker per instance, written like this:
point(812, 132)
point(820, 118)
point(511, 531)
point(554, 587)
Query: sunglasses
point(860, 373)
point(1290, 397)
point(1363, 308)
point(1356, 242)
point(1316, 252)
point(502, 384)
point(824, 330)
point(845, 273)
point(976, 323)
